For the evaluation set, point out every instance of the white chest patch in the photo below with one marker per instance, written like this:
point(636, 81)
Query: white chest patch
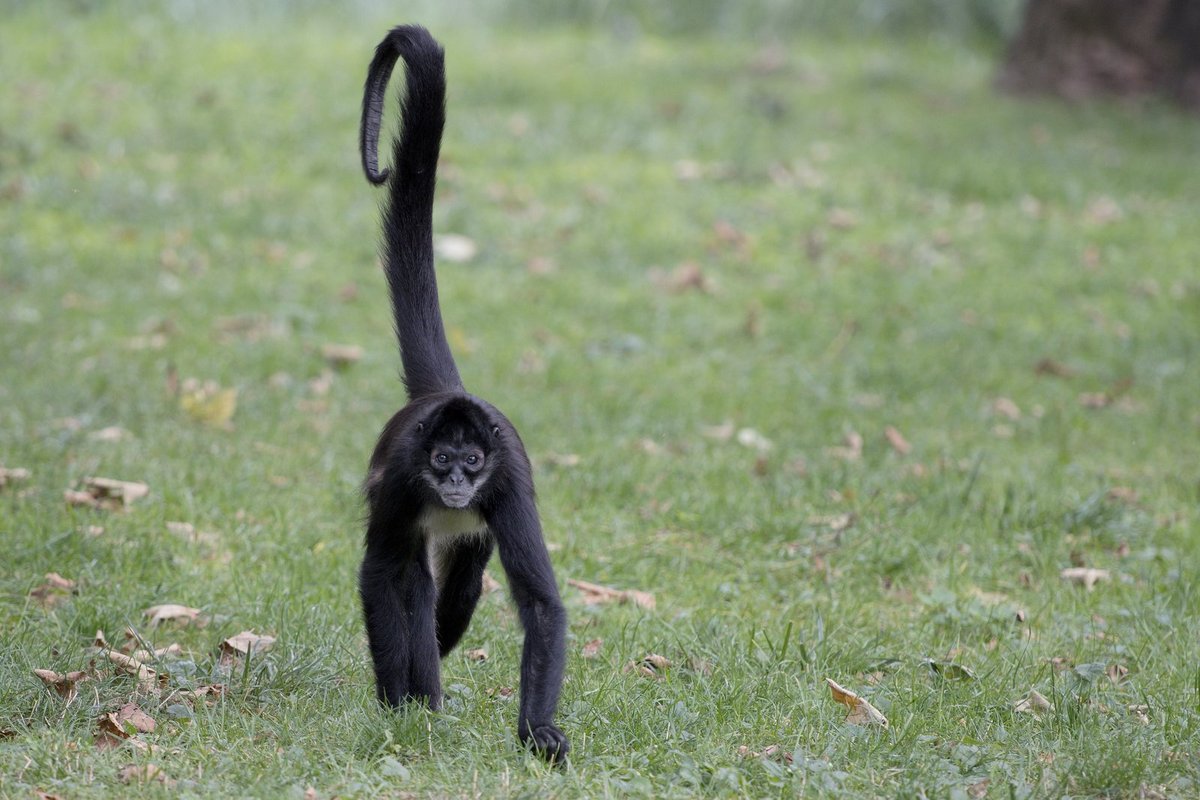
point(443, 527)
point(450, 523)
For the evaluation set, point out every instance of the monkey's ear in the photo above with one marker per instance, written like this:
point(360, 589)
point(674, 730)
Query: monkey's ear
point(420, 427)
point(495, 430)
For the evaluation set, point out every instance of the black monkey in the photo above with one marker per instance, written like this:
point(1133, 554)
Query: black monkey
point(449, 477)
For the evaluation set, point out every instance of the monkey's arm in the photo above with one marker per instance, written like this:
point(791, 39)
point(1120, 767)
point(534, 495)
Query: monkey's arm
point(514, 522)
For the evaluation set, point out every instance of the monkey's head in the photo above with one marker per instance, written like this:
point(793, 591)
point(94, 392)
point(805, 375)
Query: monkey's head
point(459, 452)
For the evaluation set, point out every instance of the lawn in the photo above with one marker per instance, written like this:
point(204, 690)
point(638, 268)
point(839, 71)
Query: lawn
point(840, 355)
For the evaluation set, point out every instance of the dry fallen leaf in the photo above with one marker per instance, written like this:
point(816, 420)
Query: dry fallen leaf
point(721, 433)
point(107, 493)
point(1140, 712)
point(772, 751)
point(851, 450)
point(171, 612)
point(118, 726)
point(1116, 673)
point(1087, 576)
point(143, 773)
point(478, 654)
point(1048, 366)
point(341, 356)
point(861, 711)
point(55, 589)
point(748, 437)
point(207, 402)
point(109, 434)
point(1033, 703)
point(63, 685)
point(1003, 407)
point(651, 665)
point(243, 644)
point(490, 584)
point(591, 649)
point(11, 475)
point(897, 440)
point(594, 594)
point(148, 680)
point(564, 460)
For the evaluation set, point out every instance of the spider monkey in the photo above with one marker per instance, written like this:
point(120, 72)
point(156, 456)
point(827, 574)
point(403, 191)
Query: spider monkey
point(449, 478)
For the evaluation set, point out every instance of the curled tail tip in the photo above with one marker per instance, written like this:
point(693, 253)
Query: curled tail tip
point(378, 178)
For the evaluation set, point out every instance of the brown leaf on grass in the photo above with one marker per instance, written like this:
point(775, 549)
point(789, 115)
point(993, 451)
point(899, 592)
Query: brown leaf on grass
point(1048, 366)
point(110, 434)
point(851, 449)
point(148, 680)
point(207, 402)
point(1033, 703)
point(861, 711)
point(842, 218)
point(563, 460)
point(171, 613)
point(107, 494)
point(1116, 673)
point(116, 727)
point(897, 440)
point(721, 433)
point(63, 685)
point(835, 522)
point(1140, 712)
point(1004, 407)
point(595, 594)
point(490, 584)
point(978, 789)
point(772, 751)
point(55, 589)
point(1094, 399)
point(11, 475)
point(1088, 577)
point(591, 649)
point(1123, 494)
point(141, 773)
point(687, 276)
point(340, 356)
point(244, 644)
point(651, 665)
point(208, 695)
point(478, 654)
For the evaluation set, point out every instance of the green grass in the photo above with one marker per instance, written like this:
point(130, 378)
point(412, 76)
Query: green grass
point(182, 197)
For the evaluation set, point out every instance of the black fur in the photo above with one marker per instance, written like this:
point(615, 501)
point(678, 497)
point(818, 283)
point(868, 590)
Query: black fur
point(419, 589)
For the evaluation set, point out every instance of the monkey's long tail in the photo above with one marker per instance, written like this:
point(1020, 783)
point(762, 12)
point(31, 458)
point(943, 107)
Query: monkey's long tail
point(408, 219)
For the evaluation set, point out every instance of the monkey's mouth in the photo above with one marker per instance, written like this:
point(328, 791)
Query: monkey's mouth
point(457, 499)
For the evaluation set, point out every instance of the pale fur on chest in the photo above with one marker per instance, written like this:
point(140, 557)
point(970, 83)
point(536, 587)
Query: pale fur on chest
point(444, 527)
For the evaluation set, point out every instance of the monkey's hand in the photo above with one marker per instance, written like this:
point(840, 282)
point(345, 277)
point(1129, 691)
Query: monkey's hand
point(549, 742)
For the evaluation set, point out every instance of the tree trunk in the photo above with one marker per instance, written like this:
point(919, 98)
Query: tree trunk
point(1079, 49)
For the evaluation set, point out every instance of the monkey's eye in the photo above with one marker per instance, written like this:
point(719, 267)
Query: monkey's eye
point(441, 458)
point(472, 460)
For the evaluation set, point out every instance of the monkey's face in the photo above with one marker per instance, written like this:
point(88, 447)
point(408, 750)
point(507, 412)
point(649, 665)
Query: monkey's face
point(456, 471)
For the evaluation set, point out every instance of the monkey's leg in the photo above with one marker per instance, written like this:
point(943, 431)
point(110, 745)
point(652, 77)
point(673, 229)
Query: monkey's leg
point(462, 583)
point(398, 603)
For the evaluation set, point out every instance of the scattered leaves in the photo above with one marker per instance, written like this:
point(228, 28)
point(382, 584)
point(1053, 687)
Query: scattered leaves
point(1004, 407)
point(861, 711)
point(748, 437)
point(110, 434)
point(594, 594)
point(721, 433)
point(1033, 703)
point(55, 589)
point(63, 685)
point(772, 751)
point(948, 670)
point(116, 727)
point(897, 440)
point(1087, 576)
point(244, 644)
point(651, 665)
point(11, 475)
point(207, 402)
point(591, 649)
point(490, 584)
point(148, 680)
point(478, 654)
point(851, 448)
point(1048, 366)
point(340, 356)
point(171, 613)
point(141, 773)
point(107, 494)
point(687, 276)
